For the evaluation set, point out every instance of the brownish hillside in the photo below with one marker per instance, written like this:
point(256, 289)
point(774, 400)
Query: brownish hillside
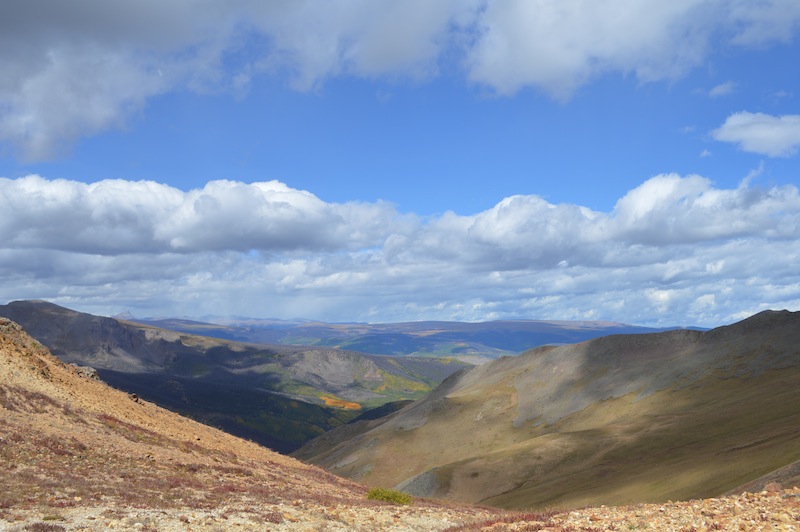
point(78, 454)
point(617, 420)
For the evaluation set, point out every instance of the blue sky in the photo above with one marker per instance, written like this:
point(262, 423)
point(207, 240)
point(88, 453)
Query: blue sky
point(386, 161)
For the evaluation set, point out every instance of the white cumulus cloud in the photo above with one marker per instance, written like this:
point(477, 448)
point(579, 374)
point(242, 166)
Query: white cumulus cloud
point(774, 136)
point(559, 46)
point(114, 217)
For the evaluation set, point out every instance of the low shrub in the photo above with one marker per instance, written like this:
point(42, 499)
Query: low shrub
point(389, 495)
point(530, 521)
point(44, 527)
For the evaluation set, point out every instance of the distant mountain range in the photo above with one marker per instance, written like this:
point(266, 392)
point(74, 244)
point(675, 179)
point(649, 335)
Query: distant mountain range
point(280, 396)
point(282, 383)
point(620, 419)
point(475, 343)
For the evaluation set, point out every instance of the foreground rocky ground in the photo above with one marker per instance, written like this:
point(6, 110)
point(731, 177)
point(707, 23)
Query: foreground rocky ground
point(764, 511)
point(277, 517)
point(773, 510)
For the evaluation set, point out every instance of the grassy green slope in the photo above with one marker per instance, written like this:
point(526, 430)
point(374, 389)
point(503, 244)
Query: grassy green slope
point(675, 444)
point(275, 421)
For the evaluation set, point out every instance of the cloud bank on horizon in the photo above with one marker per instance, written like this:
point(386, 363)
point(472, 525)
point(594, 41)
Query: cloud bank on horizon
point(673, 250)
point(676, 248)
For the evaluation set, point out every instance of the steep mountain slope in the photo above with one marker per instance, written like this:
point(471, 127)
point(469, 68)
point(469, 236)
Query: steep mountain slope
point(79, 455)
point(280, 396)
point(471, 342)
point(619, 419)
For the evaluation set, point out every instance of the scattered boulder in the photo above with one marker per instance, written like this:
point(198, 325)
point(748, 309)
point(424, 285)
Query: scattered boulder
point(86, 372)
